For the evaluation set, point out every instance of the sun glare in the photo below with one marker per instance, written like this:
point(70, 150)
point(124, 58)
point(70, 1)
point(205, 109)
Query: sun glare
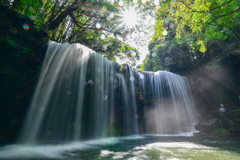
point(130, 17)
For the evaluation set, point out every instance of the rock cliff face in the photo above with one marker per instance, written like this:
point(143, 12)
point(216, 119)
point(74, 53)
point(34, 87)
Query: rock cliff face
point(215, 89)
point(20, 63)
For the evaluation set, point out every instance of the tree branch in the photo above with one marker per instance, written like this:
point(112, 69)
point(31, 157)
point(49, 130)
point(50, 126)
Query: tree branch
point(53, 16)
point(209, 8)
point(54, 24)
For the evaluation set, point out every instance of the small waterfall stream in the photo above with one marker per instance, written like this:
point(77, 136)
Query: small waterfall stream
point(81, 95)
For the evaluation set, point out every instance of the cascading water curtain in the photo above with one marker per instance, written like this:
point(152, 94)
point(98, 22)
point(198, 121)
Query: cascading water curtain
point(56, 109)
point(173, 110)
point(82, 95)
point(75, 97)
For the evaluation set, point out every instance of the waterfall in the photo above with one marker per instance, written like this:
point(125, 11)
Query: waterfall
point(173, 110)
point(82, 95)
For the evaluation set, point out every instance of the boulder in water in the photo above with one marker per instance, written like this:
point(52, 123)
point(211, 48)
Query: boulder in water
point(208, 126)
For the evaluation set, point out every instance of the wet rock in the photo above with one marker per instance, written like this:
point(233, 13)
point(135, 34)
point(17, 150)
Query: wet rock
point(208, 126)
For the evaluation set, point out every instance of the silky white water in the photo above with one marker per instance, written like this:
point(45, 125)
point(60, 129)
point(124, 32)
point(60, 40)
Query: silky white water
point(174, 110)
point(82, 95)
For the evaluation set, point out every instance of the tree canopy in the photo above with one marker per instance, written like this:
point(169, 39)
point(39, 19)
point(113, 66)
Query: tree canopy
point(188, 30)
point(94, 23)
point(189, 33)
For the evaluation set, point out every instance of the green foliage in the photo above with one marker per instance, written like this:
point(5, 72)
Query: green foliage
point(221, 132)
point(147, 65)
point(10, 41)
point(200, 32)
point(236, 114)
point(156, 68)
point(74, 21)
point(27, 51)
point(194, 26)
point(30, 8)
point(209, 19)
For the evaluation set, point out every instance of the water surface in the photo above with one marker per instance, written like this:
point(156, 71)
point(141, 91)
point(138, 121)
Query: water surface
point(147, 147)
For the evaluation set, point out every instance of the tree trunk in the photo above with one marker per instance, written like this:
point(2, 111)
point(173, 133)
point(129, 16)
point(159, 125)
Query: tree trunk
point(54, 24)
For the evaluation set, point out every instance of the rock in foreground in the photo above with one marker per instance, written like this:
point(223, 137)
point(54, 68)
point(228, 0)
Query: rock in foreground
point(208, 126)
